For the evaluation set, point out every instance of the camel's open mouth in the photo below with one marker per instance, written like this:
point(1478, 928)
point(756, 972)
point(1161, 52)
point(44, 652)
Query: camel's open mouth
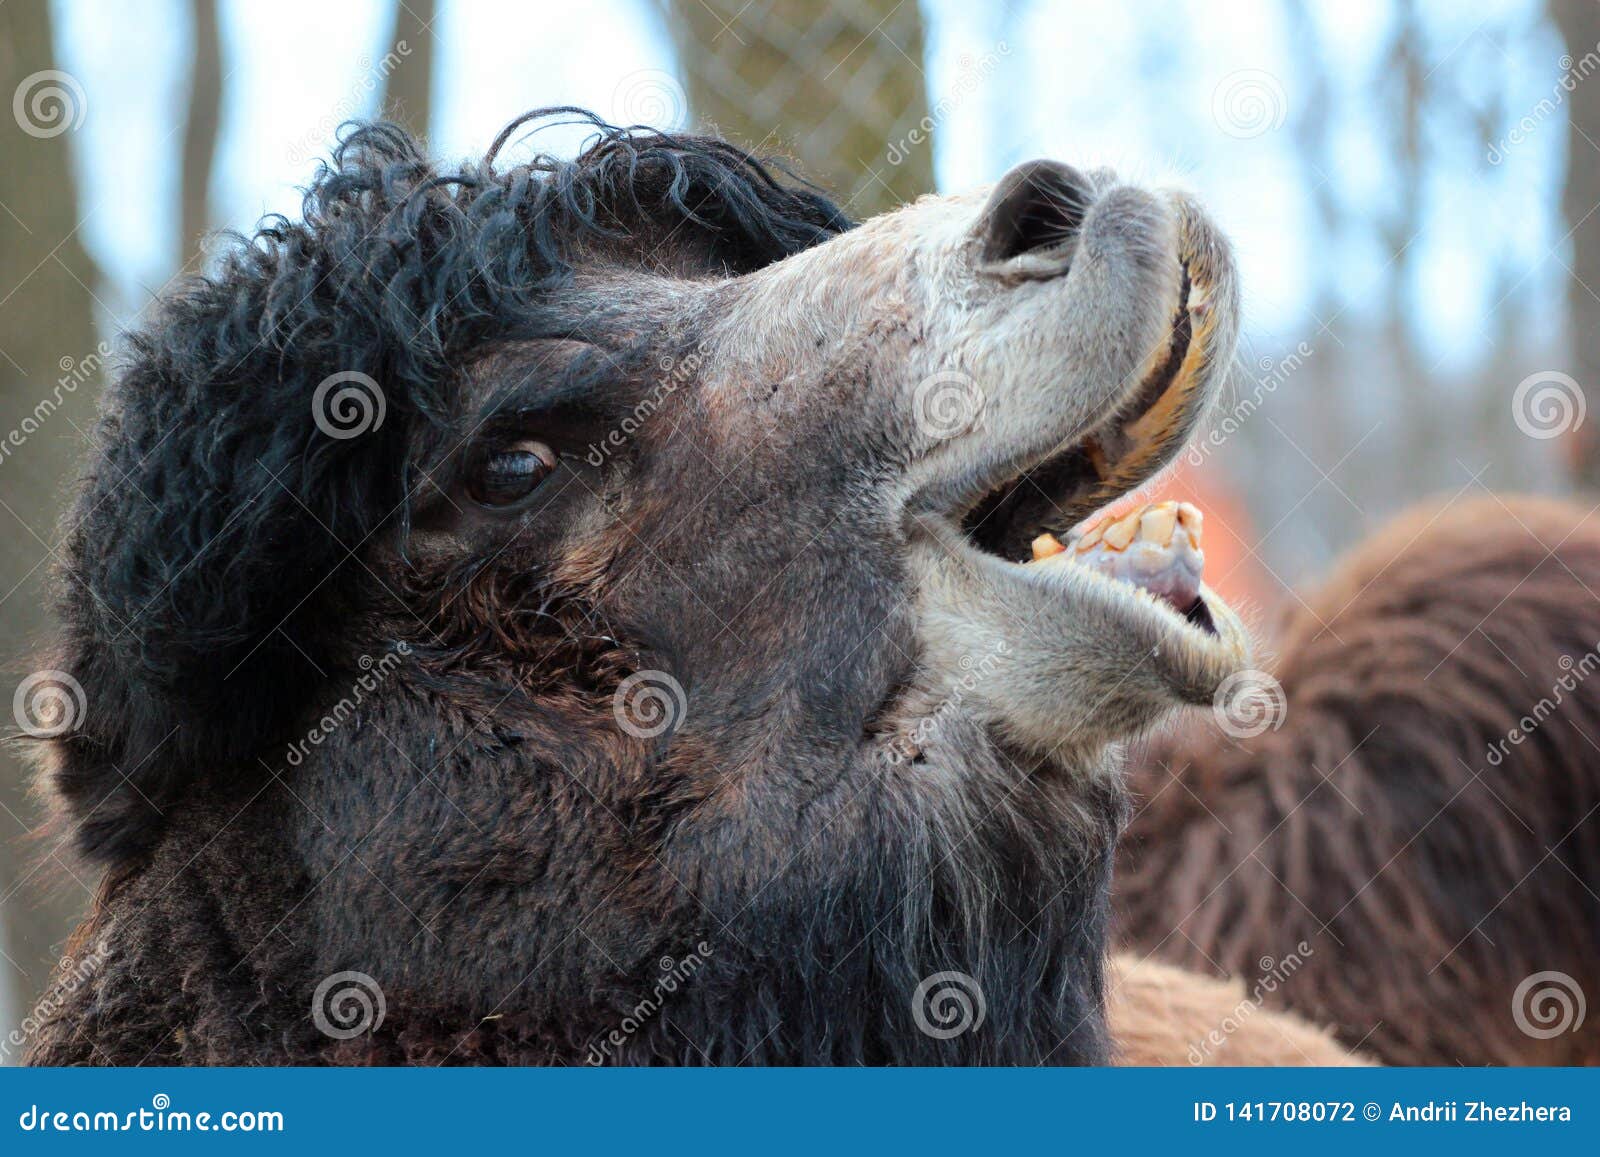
point(1022, 520)
point(1155, 549)
point(1122, 452)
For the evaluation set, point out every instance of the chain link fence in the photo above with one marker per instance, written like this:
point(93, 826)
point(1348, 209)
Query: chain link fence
point(831, 86)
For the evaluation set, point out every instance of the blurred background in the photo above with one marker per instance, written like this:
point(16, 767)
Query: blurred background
point(1411, 187)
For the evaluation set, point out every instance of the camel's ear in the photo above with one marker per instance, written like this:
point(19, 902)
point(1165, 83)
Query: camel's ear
point(206, 560)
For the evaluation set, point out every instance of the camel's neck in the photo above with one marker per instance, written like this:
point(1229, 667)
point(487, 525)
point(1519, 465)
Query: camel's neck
point(984, 944)
point(922, 939)
point(919, 975)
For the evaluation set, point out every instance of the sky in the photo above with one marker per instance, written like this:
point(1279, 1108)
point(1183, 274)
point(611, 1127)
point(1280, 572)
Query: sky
point(1206, 95)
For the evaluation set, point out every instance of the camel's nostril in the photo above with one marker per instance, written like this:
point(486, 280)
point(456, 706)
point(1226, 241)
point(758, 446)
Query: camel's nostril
point(1037, 206)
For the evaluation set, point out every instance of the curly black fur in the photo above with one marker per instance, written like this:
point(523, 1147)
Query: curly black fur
point(211, 550)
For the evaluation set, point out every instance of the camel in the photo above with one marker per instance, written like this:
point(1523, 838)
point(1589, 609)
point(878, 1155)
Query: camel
point(580, 611)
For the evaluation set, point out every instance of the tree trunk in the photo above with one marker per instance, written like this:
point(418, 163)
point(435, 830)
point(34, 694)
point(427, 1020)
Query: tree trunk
point(839, 87)
point(1579, 22)
point(200, 132)
point(1421, 428)
point(408, 85)
point(49, 379)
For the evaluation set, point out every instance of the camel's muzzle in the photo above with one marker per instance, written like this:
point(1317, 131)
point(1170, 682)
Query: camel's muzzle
point(1138, 436)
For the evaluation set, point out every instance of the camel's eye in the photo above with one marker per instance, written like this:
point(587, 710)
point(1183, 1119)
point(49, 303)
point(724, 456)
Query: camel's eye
point(510, 474)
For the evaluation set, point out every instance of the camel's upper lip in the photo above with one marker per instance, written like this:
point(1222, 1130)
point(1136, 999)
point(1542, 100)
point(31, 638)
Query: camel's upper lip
point(1119, 454)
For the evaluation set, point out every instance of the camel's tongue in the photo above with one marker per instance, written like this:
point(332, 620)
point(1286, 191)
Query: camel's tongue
point(1155, 547)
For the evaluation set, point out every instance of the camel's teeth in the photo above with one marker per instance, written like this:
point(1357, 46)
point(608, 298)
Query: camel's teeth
point(1045, 546)
point(1143, 548)
point(1190, 519)
point(1157, 522)
point(1120, 533)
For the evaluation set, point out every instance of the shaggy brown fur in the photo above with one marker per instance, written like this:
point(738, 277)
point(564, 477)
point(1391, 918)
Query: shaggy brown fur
point(1431, 861)
point(1165, 1016)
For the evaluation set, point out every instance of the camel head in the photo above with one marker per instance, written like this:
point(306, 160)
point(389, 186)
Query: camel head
point(511, 585)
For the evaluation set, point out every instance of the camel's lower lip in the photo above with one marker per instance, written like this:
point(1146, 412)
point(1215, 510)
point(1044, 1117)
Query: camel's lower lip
point(1074, 483)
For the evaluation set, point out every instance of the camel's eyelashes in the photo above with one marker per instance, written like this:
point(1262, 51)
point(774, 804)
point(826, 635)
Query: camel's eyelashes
point(511, 474)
